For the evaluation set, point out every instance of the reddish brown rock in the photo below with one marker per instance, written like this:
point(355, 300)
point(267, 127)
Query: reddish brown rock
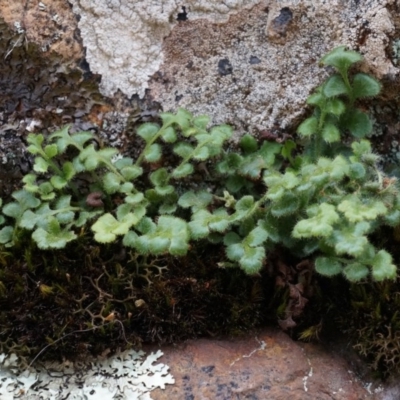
point(266, 366)
point(49, 24)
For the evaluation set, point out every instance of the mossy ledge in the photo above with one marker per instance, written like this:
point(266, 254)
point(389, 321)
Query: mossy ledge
point(193, 237)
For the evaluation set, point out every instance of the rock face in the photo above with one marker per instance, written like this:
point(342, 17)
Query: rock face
point(248, 63)
point(268, 366)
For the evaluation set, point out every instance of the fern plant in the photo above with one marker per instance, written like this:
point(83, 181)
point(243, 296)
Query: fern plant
point(321, 200)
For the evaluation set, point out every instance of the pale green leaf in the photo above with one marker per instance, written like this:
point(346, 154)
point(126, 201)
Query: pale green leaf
point(183, 171)
point(355, 272)
point(148, 131)
point(320, 224)
point(328, 266)
point(383, 267)
point(153, 153)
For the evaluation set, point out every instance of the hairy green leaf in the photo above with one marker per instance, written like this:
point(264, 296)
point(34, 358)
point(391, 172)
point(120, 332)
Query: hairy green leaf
point(308, 127)
point(355, 210)
point(383, 267)
point(148, 131)
point(355, 271)
point(328, 266)
point(365, 86)
point(323, 217)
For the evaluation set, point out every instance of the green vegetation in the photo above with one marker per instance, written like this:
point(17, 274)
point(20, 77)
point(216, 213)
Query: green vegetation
point(323, 202)
point(146, 234)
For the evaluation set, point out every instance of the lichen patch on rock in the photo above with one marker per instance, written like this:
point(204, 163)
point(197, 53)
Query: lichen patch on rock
point(127, 375)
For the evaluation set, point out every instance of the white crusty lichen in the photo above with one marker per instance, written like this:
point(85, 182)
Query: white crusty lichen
point(123, 38)
point(124, 376)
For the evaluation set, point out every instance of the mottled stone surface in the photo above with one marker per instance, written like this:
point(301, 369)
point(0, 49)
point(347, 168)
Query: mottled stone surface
point(209, 66)
point(49, 24)
point(266, 366)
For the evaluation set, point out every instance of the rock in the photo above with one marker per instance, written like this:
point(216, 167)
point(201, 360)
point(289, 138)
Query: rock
point(268, 365)
point(199, 56)
point(49, 24)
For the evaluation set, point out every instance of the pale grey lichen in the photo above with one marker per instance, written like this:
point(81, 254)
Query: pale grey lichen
point(124, 376)
point(123, 38)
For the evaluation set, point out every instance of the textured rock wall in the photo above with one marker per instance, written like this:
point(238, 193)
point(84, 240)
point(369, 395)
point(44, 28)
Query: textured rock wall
point(248, 62)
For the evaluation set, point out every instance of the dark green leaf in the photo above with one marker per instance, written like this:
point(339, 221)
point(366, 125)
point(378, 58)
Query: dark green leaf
point(365, 86)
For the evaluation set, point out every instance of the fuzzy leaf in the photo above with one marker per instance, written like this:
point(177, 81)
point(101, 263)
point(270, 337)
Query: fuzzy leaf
point(35, 143)
point(111, 182)
point(357, 123)
point(288, 148)
point(107, 227)
point(317, 99)
point(25, 200)
point(134, 198)
point(248, 144)
point(356, 171)
point(339, 168)
point(383, 267)
point(201, 121)
point(170, 235)
point(252, 260)
point(335, 107)
point(222, 132)
point(203, 222)
point(196, 200)
point(257, 236)
point(335, 86)
point(201, 153)
point(365, 86)
point(169, 135)
point(51, 150)
point(182, 118)
point(355, 272)
point(182, 171)
point(148, 131)
point(160, 177)
point(6, 234)
point(251, 167)
point(131, 172)
point(308, 127)
point(235, 251)
point(341, 59)
point(126, 188)
point(287, 204)
point(30, 183)
point(85, 216)
point(46, 191)
point(64, 139)
point(183, 150)
point(153, 153)
point(58, 182)
point(351, 240)
point(328, 266)
point(243, 207)
point(52, 237)
point(41, 165)
point(330, 133)
point(229, 164)
point(355, 210)
point(199, 224)
point(319, 225)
